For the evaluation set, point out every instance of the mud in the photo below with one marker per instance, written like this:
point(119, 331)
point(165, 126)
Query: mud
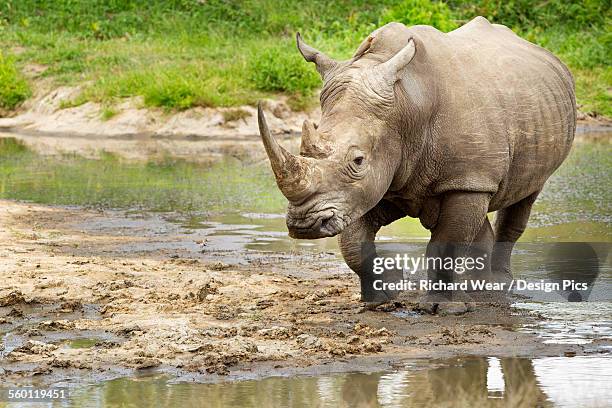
point(102, 294)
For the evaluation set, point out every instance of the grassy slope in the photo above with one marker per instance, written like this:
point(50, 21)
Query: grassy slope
point(183, 53)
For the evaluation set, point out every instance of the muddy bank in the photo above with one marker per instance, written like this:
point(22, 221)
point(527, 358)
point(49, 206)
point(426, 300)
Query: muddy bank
point(136, 132)
point(91, 294)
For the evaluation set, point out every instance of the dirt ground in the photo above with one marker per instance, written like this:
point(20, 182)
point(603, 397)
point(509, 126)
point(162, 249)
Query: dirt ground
point(99, 294)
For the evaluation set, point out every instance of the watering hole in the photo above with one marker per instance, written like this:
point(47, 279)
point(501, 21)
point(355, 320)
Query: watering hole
point(231, 212)
point(466, 381)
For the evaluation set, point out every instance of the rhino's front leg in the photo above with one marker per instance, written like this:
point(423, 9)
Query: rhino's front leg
point(358, 249)
point(461, 222)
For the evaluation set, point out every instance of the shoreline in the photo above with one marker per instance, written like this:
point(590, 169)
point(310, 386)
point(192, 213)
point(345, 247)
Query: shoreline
point(196, 135)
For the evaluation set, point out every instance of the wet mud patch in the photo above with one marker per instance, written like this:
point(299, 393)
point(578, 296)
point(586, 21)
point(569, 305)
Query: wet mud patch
point(91, 300)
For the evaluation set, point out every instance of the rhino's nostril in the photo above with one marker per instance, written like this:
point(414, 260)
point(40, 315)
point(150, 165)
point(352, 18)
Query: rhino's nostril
point(325, 220)
point(324, 223)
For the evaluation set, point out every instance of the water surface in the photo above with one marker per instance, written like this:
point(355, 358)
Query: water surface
point(234, 207)
point(468, 381)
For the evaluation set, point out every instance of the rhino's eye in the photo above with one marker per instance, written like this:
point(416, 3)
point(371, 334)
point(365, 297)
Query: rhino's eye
point(358, 160)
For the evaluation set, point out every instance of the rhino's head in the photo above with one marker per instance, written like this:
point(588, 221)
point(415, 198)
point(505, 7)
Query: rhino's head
point(347, 163)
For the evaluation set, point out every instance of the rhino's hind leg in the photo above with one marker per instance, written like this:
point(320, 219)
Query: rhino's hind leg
point(483, 246)
point(510, 223)
point(358, 249)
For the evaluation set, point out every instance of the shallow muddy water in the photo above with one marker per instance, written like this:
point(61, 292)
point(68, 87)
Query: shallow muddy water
point(234, 212)
point(575, 204)
point(468, 381)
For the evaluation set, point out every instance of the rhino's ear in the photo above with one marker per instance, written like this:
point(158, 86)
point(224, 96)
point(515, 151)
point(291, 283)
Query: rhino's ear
point(324, 63)
point(392, 68)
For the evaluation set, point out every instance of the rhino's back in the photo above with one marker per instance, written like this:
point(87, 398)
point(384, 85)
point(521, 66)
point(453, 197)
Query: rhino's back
point(506, 118)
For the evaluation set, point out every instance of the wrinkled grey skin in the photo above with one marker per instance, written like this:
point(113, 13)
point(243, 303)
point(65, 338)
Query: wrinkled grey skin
point(441, 127)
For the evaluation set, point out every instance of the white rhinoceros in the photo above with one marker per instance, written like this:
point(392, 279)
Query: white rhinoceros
point(445, 127)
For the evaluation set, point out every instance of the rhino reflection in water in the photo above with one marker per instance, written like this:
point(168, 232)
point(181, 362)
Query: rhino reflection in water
point(445, 127)
point(460, 383)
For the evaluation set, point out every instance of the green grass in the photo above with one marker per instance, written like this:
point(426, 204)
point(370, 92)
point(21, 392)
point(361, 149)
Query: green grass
point(178, 54)
point(13, 87)
point(162, 184)
point(108, 112)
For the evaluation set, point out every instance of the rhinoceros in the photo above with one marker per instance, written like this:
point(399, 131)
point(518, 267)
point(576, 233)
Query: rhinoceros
point(444, 127)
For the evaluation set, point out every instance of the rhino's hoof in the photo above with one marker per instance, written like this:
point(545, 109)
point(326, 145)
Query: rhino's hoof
point(370, 295)
point(454, 308)
point(444, 305)
point(378, 297)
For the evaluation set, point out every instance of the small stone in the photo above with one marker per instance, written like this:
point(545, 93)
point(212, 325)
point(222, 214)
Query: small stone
point(13, 298)
point(35, 347)
point(275, 332)
point(308, 341)
point(372, 347)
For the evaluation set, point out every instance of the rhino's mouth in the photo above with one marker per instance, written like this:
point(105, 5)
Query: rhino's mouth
point(319, 224)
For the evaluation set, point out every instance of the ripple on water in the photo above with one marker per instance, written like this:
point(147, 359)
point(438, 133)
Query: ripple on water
point(570, 323)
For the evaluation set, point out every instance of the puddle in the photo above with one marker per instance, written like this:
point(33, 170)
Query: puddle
point(159, 184)
point(49, 324)
point(268, 232)
point(571, 323)
point(83, 343)
point(474, 381)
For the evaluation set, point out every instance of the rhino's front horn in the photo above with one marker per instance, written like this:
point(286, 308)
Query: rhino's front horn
point(295, 176)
